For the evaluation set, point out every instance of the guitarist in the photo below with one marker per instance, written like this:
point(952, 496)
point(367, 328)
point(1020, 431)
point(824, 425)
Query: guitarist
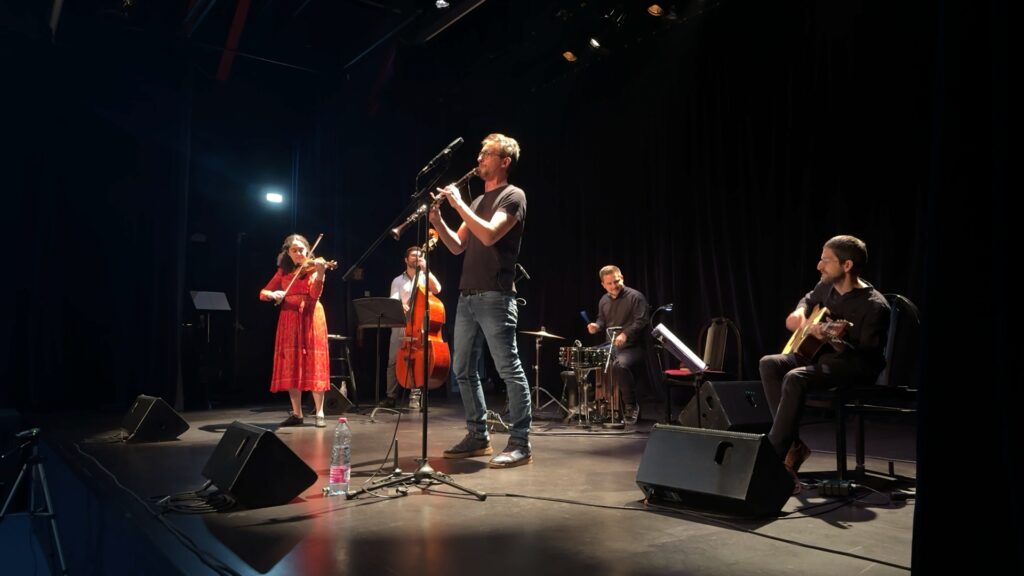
point(852, 355)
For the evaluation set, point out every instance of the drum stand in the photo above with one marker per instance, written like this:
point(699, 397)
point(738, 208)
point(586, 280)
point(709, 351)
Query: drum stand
point(536, 380)
point(612, 394)
point(582, 410)
point(614, 400)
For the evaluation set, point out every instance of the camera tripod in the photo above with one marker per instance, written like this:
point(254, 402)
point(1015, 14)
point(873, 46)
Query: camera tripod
point(32, 467)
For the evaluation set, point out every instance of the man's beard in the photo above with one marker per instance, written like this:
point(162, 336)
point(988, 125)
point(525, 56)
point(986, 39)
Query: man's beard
point(833, 280)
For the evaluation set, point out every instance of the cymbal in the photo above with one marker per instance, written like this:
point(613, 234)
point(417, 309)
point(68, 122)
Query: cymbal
point(541, 333)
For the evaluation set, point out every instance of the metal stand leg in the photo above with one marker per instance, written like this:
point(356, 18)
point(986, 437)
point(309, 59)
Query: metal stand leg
point(582, 410)
point(536, 382)
point(37, 476)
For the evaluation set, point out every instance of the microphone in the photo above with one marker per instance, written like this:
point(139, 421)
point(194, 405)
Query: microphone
point(30, 433)
point(522, 270)
point(443, 154)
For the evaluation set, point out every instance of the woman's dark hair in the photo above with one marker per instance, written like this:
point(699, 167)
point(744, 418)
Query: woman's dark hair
point(283, 258)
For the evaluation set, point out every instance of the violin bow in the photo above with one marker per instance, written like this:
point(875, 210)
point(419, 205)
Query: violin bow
point(296, 276)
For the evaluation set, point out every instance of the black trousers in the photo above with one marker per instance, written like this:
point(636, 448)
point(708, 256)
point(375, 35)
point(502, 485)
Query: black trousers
point(787, 378)
point(626, 368)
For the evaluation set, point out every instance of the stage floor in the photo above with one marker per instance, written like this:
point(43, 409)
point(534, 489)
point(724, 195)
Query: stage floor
point(575, 510)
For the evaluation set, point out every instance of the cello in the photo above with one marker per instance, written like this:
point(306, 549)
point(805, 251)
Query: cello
point(412, 355)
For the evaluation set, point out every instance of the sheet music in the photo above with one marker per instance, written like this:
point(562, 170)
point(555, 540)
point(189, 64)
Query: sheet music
point(674, 345)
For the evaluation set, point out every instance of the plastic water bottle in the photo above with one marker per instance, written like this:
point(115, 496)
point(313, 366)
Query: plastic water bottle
point(415, 398)
point(341, 459)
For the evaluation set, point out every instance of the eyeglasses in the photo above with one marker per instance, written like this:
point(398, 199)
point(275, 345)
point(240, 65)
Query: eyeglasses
point(486, 153)
point(826, 260)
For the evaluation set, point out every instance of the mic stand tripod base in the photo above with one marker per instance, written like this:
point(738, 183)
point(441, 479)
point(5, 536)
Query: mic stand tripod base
point(423, 477)
point(493, 419)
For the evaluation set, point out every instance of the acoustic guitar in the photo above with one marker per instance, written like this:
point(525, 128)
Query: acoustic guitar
point(803, 343)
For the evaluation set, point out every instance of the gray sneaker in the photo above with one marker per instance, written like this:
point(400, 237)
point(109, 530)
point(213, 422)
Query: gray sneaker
point(470, 446)
point(513, 455)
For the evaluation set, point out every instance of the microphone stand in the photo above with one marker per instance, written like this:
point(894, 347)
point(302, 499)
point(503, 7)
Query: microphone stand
point(425, 473)
point(416, 198)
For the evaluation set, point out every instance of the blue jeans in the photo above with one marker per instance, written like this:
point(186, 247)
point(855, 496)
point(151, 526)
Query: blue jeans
point(492, 316)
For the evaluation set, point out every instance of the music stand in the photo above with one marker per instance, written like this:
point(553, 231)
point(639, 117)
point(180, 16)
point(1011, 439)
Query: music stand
point(209, 302)
point(378, 313)
point(689, 359)
point(205, 303)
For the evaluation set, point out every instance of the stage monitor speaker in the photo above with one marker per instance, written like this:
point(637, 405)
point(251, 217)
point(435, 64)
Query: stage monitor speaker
point(150, 419)
point(335, 402)
point(733, 406)
point(253, 466)
point(730, 472)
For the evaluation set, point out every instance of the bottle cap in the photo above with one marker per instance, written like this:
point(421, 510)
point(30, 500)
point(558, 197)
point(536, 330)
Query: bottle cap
point(342, 419)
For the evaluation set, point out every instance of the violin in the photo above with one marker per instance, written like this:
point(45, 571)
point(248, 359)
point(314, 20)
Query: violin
point(311, 263)
point(412, 355)
point(307, 266)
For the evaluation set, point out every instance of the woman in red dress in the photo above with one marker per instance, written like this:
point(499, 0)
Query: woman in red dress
point(301, 361)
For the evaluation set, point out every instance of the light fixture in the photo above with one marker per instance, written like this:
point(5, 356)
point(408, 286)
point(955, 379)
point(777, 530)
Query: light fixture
point(441, 4)
point(655, 10)
point(569, 56)
point(594, 43)
point(275, 197)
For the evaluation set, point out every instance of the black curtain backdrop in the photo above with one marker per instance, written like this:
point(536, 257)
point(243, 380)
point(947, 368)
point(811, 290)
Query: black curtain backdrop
point(710, 161)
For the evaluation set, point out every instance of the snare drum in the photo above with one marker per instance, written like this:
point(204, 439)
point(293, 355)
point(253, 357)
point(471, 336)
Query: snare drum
point(593, 357)
point(569, 356)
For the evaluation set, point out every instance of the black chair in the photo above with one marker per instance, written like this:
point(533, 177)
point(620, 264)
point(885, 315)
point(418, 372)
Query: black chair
point(714, 338)
point(895, 391)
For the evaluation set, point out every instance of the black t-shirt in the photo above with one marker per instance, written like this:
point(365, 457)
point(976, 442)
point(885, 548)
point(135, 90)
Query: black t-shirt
point(493, 267)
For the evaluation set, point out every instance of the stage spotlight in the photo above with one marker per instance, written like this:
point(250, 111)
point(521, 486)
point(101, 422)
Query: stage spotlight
point(655, 10)
point(569, 56)
point(595, 44)
point(275, 197)
point(441, 4)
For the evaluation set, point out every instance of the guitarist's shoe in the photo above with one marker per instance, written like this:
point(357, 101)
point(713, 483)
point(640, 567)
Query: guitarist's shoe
point(798, 453)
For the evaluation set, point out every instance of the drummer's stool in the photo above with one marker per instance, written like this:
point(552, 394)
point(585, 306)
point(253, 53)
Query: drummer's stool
point(343, 378)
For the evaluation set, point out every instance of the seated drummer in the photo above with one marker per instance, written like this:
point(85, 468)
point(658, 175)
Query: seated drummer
point(627, 308)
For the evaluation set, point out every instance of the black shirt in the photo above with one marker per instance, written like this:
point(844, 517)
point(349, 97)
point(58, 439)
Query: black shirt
point(628, 310)
point(867, 309)
point(493, 267)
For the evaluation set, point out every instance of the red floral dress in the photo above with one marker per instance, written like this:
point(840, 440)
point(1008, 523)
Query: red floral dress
point(301, 358)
